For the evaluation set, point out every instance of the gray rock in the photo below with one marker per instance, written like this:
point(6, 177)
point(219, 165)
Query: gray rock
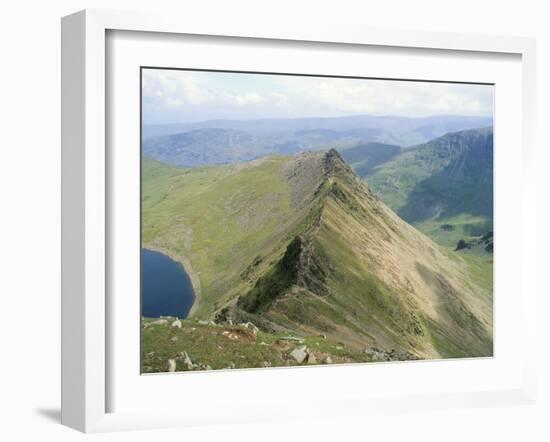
point(171, 365)
point(300, 354)
point(176, 323)
point(157, 322)
point(292, 338)
point(378, 355)
point(252, 327)
point(186, 360)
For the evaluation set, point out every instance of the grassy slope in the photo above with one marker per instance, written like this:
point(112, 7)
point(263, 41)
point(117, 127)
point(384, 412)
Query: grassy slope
point(375, 295)
point(445, 181)
point(371, 292)
point(218, 221)
point(365, 158)
point(233, 346)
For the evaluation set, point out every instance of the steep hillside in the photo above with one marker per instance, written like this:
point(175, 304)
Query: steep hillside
point(444, 187)
point(365, 158)
point(301, 245)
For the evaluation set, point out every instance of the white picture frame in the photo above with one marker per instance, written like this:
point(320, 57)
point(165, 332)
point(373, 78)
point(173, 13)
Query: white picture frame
point(86, 206)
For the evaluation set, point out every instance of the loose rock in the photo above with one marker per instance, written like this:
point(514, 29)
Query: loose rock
point(186, 360)
point(300, 354)
point(157, 322)
point(292, 338)
point(176, 323)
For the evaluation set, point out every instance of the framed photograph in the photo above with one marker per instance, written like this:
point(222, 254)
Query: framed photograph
point(252, 213)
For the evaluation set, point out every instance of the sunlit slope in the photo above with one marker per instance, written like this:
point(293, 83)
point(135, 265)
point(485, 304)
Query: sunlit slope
point(302, 244)
point(225, 223)
point(446, 182)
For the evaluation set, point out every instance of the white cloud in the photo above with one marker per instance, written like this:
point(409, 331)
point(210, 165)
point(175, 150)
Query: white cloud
point(172, 89)
point(384, 97)
point(172, 95)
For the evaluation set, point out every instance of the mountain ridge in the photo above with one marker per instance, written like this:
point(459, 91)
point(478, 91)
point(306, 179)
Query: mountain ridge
point(444, 187)
point(309, 248)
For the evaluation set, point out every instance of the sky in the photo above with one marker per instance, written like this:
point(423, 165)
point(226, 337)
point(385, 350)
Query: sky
point(176, 96)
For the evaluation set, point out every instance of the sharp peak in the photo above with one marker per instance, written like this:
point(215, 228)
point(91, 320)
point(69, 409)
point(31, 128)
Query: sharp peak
point(335, 165)
point(333, 154)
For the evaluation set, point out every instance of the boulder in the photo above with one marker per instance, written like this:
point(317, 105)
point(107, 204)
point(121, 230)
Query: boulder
point(252, 327)
point(186, 360)
point(176, 323)
point(171, 365)
point(292, 338)
point(300, 354)
point(157, 322)
point(328, 360)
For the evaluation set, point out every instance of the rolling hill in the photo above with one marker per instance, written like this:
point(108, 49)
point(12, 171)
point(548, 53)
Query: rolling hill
point(409, 130)
point(300, 245)
point(230, 141)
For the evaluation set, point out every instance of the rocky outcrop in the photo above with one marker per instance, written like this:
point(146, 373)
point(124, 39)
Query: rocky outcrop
point(157, 322)
point(378, 355)
point(484, 242)
point(300, 354)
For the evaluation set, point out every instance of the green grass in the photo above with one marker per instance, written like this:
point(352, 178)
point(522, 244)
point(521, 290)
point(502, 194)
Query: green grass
point(208, 345)
point(219, 218)
point(445, 181)
point(463, 226)
point(325, 266)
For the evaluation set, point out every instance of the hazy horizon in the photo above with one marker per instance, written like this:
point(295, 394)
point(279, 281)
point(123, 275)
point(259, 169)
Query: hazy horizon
point(170, 123)
point(181, 96)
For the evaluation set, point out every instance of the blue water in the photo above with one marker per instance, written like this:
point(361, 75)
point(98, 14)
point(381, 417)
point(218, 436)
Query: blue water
point(166, 288)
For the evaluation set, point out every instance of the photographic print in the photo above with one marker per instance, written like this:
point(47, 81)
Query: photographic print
point(297, 220)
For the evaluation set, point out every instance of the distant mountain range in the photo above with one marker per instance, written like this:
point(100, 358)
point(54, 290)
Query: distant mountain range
point(228, 141)
point(446, 181)
point(301, 246)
